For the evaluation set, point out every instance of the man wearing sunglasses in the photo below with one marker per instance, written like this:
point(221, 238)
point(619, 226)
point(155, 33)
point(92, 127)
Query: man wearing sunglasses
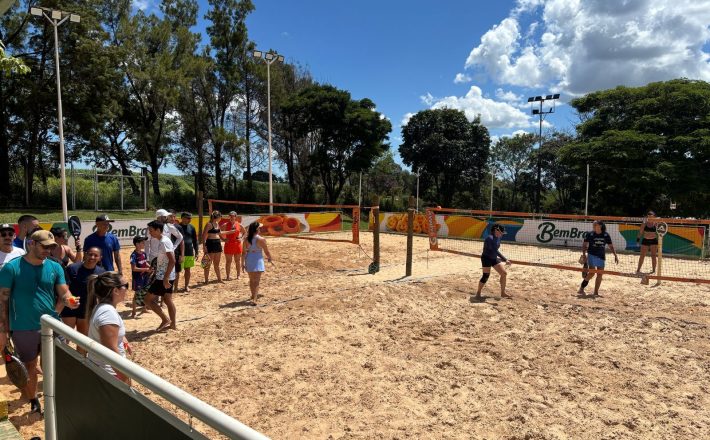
point(30, 287)
point(8, 251)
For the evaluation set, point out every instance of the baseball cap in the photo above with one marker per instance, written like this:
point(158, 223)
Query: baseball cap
point(186, 215)
point(138, 238)
point(7, 227)
point(44, 238)
point(103, 218)
point(234, 213)
point(162, 213)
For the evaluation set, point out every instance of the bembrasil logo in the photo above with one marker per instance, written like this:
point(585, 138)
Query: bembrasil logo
point(548, 231)
point(126, 231)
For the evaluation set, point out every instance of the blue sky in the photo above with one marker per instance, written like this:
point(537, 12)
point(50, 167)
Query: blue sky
point(483, 57)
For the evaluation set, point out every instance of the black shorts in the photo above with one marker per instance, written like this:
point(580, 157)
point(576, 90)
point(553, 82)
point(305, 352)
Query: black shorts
point(79, 312)
point(649, 242)
point(213, 245)
point(27, 344)
point(158, 289)
point(488, 262)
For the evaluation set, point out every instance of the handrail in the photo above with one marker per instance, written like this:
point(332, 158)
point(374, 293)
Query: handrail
point(213, 417)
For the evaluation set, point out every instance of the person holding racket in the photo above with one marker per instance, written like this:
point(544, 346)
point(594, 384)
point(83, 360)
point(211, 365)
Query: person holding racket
point(491, 257)
point(32, 286)
point(62, 252)
point(648, 236)
point(595, 244)
point(234, 233)
point(106, 291)
point(253, 258)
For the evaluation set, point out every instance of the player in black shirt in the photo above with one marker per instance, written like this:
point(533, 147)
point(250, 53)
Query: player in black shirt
point(595, 244)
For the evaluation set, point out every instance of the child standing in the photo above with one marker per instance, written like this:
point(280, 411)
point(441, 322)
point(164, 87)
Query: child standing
point(140, 269)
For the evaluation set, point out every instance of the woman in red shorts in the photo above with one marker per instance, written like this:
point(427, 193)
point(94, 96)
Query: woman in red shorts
point(233, 231)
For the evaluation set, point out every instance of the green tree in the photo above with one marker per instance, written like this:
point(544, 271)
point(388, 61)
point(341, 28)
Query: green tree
point(221, 86)
point(159, 51)
point(512, 158)
point(347, 135)
point(449, 151)
point(645, 145)
point(564, 183)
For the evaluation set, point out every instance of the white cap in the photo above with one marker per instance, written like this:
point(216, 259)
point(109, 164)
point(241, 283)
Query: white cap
point(161, 213)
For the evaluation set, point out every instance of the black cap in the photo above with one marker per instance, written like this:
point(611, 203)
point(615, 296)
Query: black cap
point(103, 218)
point(7, 227)
point(138, 238)
point(186, 215)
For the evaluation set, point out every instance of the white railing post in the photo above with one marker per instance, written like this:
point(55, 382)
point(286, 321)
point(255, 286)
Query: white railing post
point(213, 417)
point(50, 415)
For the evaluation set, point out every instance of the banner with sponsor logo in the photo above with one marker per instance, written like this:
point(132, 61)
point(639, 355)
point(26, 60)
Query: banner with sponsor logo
point(680, 240)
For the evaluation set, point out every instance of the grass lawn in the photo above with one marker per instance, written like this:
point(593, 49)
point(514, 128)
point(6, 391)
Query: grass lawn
point(45, 215)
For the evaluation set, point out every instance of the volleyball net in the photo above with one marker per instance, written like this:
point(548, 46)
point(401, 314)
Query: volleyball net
point(337, 223)
point(555, 241)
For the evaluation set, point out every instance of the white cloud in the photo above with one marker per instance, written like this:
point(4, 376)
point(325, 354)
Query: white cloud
point(462, 78)
point(143, 5)
point(577, 46)
point(405, 119)
point(509, 97)
point(494, 114)
point(427, 99)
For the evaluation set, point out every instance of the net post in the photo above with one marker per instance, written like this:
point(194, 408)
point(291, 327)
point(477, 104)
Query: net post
point(376, 232)
point(662, 228)
point(356, 225)
point(410, 235)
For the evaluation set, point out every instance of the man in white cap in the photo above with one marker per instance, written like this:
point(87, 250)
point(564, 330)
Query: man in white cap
point(169, 230)
point(8, 251)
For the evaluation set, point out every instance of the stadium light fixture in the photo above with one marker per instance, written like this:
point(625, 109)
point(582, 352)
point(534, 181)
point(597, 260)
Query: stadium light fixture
point(56, 18)
point(269, 58)
point(540, 113)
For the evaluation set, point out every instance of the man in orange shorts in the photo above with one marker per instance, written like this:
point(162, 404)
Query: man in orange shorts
point(233, 244)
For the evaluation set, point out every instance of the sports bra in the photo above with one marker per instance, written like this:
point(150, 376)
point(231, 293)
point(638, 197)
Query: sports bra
point(213, 230)
point(647, 228)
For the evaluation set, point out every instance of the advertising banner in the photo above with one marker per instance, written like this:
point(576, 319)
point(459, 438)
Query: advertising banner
point(680, 240)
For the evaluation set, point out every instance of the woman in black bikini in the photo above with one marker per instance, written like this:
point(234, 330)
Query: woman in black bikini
point(212, 245)
point(648, 236)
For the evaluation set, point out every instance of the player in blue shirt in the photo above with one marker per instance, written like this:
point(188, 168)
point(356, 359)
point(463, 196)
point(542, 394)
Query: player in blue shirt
point(595, 244)
point(491, 257)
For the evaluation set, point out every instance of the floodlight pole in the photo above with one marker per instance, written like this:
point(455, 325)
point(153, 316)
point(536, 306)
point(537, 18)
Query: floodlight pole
point(269, 58)
point(541, 113)
point(56, 19)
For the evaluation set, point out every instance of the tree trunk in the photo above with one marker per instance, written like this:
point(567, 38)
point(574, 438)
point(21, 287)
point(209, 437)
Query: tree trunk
point(218, 170)
point(4, 143)
point(154, 169)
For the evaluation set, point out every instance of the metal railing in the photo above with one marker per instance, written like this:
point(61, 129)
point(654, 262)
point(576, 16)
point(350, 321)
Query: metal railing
point(192, 405)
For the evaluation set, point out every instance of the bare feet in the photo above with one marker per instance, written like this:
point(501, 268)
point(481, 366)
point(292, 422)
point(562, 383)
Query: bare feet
point(163, 326)
point(505, 295)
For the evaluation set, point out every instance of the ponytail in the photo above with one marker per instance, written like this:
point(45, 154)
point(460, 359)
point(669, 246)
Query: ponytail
point(253, 228)
point(99, 288)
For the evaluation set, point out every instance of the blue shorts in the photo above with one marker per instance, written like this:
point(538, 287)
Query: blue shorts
point(594, 261)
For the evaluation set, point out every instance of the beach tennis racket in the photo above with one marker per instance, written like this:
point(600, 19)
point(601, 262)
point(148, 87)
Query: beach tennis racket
point(16, 370)
point(74, 225)
point(206, 261)
point(585, 266)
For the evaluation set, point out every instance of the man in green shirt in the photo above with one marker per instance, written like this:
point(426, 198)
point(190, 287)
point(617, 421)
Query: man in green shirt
point(30, 287)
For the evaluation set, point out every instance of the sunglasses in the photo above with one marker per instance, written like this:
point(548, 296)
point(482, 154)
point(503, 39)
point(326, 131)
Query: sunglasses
point(7, 233)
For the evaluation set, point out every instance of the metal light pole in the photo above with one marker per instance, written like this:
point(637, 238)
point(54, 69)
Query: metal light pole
point(269, 58)
point(541, 113)
point(492, 182)
point(57, 18)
